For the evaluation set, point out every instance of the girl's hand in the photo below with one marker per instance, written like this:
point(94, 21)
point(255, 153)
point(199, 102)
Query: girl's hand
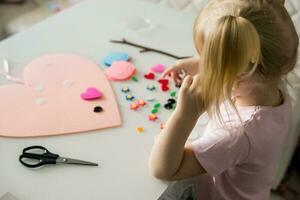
point(190, 102)
point(189, 66)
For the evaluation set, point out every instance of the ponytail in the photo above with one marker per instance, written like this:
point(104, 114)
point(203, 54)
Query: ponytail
point(231, 49)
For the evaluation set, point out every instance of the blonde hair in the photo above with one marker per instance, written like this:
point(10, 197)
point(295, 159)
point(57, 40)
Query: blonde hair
point(238, 38)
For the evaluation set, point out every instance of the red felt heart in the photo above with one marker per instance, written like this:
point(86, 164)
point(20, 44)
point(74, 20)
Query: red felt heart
point(165, 88)
point(150, 76)
point(163, 81)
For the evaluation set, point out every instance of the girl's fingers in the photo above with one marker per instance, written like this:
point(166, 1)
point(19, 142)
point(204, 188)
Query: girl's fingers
point(177, 78)
point(196, 81)
point(187, 81)
point(168, 71)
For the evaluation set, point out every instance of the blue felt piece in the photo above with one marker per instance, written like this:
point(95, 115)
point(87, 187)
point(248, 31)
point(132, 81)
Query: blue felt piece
point(115, 56)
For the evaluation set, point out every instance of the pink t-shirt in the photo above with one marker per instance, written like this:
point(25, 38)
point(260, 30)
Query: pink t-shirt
point(241, 158)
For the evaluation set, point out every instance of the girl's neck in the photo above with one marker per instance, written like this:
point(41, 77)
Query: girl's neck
point(265, 96)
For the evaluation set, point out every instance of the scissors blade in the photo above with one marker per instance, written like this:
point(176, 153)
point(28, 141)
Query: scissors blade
point(63, 160)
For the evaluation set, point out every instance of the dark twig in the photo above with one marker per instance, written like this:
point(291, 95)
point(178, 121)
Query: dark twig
point(147, 49)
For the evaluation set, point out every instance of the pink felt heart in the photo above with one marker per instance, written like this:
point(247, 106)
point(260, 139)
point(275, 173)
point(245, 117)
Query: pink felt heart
point(120, 70)
point(158, 68)
point(91, 94)
point(58, 108)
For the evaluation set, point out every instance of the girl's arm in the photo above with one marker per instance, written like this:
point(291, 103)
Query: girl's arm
point(171, 159)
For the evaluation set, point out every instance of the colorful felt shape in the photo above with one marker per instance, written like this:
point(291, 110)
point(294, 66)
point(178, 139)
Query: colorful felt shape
point(115, 56)
point(151, 98)
point(64, 111)
point(152, 117)
point(157, 105)
point(154, 110)
point(173, 94)
point(135, 79)
point(120, 71)
point(168, 106)
point(129, 97)
point(91, 93)
point(149, 76)
point(140, 129)
point(151, 87)
point(171, 104)
point(158, 68)
point(165, 88)
point(125, 89)
point(98, 109)
point(134, 106)
point(141, 102)
point(163, 81)
point(164, 84)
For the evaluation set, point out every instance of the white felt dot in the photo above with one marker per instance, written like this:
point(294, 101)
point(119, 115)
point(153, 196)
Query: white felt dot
point(39, 88)
point(68, 83)
point(40, 101)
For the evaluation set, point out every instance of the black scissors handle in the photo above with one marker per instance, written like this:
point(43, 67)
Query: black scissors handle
point(44, 158)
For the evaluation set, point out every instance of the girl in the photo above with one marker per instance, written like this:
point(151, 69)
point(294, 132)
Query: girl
point(245, 48)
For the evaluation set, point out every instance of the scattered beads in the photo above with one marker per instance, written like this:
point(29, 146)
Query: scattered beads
point(125, 89)
point(98, 109)
point(168, 106)
point(149, 76)
point(134, 78)
point(172, 101)
point(134, 106)
point(164, 84)
point(129, 97)
point(158, 68)
point(171, 104)
point(163, 81)
point(151, 87)
point(152, 117)
point(154, 111)
point(151, 98)
point(157, 105)
point(165, 88)
point(173, 94)
point(141, 102)
point(140, 129)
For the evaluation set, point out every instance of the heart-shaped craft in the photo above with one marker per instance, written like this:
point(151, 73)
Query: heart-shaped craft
point(165, 88)
point(57, 81)
point(120, 71)
point(163, 81)
point(91, 94)
point(149, 76)
point(158, 68)
point(115, 56)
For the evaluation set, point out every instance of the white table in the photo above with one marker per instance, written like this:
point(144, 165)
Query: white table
point(122, 153)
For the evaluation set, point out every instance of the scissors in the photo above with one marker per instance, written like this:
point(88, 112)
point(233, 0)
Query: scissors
point(37, 156)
